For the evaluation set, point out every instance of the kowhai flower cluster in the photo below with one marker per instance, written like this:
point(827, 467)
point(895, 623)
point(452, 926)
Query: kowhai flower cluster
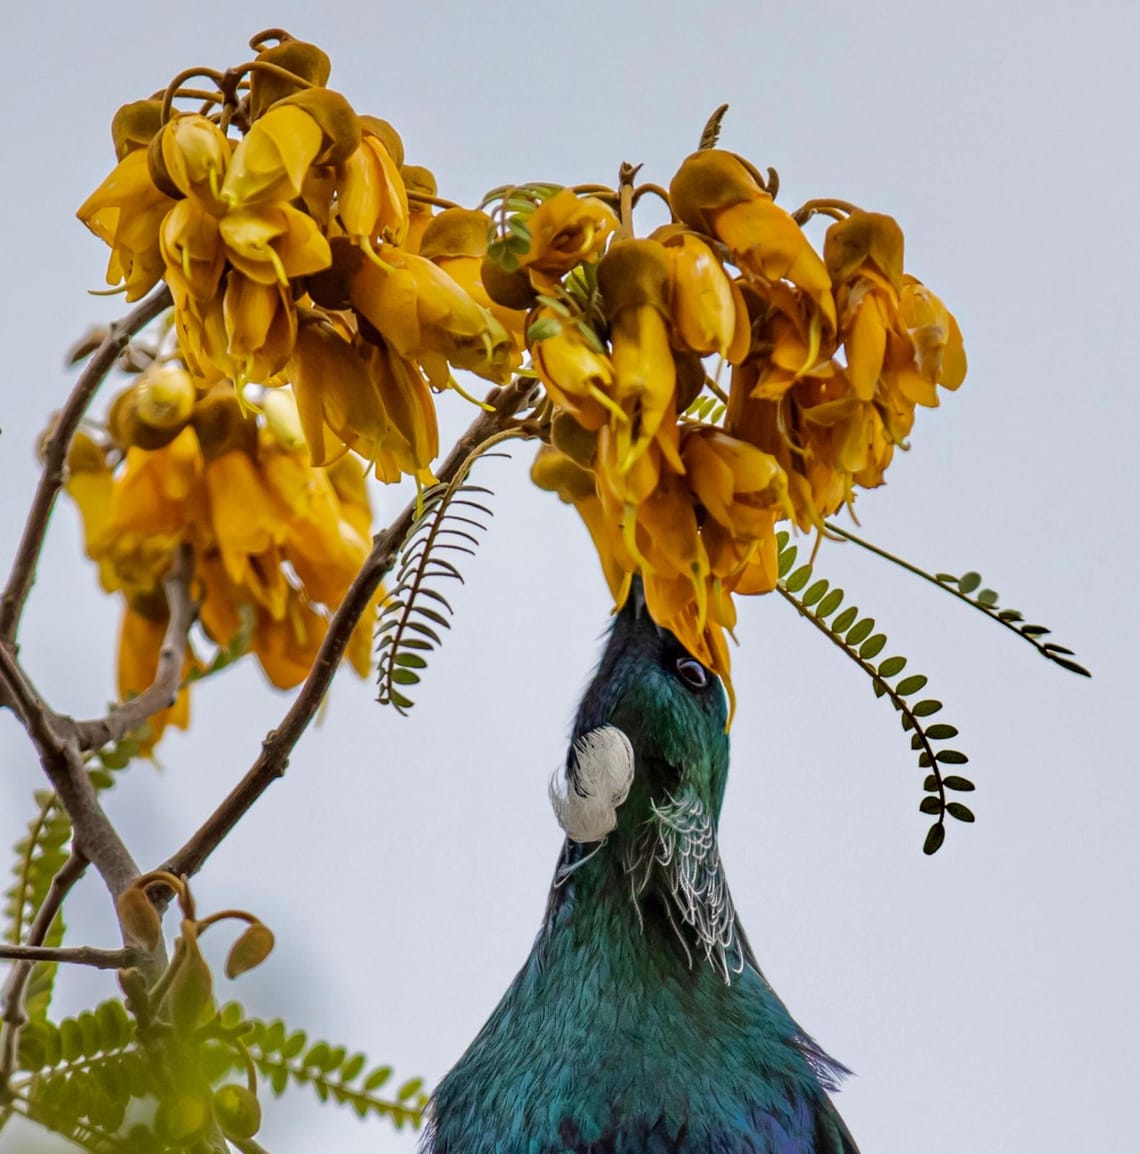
point(275, 541)
point(828, 354)
point(290, 251)
point(301, 250)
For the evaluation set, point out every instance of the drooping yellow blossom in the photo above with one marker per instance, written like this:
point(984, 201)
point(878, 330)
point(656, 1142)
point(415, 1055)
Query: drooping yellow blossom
point(715, 193)
point(126, 211)
point(706, 306)
point(372, 203)
point(428, 318)
point(578, 376)
point(565, 230)
point(275, 543)
point(634, 277)
point(456, 241)
point(195, 154)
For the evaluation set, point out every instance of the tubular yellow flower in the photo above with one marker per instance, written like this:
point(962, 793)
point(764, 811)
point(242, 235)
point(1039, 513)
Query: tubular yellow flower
point(272, 244)
point(417, 179)
point(456, 241)
point(192, 250)
point(140, 642)
point(268, 165)
point(706, 306)
point(633, 277)
point(126, 211)
point(372, 202)
point(261, 328)
point(323, 547)
point(90, 483)
point(939, 352)
point(411, 441)
point(334, 389)
point(579, 378)
point(566, 230)
point(286, 646)
point(427, 317)
point(738, 484)
point(714, 192)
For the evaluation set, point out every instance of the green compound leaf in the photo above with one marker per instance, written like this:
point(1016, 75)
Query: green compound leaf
point(816, 602)
point(969, 589)
point(451, 521)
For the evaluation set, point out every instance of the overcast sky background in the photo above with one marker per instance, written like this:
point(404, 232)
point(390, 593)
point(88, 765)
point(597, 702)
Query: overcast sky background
point(986, 998)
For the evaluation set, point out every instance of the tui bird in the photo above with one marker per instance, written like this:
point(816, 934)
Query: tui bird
point(641, 1022)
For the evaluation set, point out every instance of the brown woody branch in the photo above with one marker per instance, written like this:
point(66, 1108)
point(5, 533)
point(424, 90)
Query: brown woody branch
point(58, 748)
point(163, 690)
point(74, 955)
point(23, 572)
point(12, 1015)
point(279, 742)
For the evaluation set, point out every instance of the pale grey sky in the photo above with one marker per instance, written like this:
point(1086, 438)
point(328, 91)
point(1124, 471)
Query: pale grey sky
point(986, 998)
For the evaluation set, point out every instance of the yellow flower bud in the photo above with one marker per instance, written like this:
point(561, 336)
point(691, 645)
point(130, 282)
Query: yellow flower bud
point(340, 126)
point(279, 407)
point(306, 61)
point(192, 249)
point(164, 397)
point(134, 125)
point(253, 946)
point(708, 181)
point(195, 153)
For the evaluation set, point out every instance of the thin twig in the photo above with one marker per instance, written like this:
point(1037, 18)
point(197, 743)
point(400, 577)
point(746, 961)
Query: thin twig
point(163, 690)
point(12, 1014)
point(279, 742)
point(23, 572)
point(75, 955)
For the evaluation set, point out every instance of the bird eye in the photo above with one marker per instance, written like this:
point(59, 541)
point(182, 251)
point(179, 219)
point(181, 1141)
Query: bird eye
point(692, 673)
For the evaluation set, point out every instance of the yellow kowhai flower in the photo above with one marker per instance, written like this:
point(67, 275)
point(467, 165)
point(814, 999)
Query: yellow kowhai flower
point(456, 241)
point(633, 277)
point(558, 473)
point(126, 211)
point(706, 306)
point(270, 244)
point(192, 250)
point(286, 646)
point(939, 352)
point(337, 400)
point(739, 485)
point(577, 372)
point(269, 164)
point(195, 154)
point(428, 318)
point(715, 193)
point(565, 230)
point(411, 440)
point(371, 201)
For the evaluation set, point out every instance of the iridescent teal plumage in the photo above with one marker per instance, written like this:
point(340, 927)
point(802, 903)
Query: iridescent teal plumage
point(641, 1022)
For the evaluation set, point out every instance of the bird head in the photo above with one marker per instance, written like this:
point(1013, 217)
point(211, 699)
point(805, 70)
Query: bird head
point(646, 774)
